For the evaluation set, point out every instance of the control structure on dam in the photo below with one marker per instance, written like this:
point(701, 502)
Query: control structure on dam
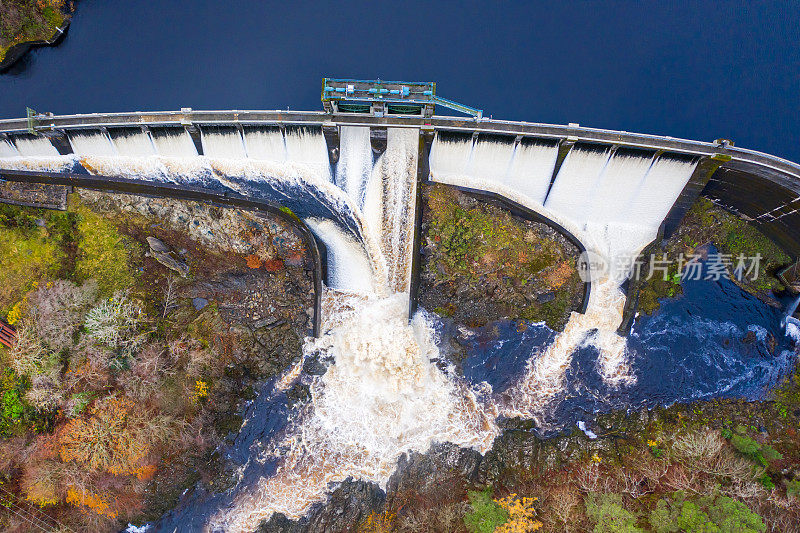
point(351, 172)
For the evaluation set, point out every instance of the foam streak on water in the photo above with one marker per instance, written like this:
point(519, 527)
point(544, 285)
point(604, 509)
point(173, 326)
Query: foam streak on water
point(381, 398)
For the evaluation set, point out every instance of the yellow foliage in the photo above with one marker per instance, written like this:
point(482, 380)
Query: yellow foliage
point(378, 523)
point(24, 258)
point(104, 253)
point(16, 312)
point(596, 458)
point(42, 493)
point(200, 390)
point(92, 501)
point(521, 515)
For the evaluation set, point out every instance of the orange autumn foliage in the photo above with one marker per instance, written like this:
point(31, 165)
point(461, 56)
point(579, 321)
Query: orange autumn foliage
point(112, 437)
point(273, 265)
point(92, 501)
point(556, 278)
point(253, 261)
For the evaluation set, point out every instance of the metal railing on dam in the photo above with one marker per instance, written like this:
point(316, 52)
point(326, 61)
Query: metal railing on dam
point(570, 132)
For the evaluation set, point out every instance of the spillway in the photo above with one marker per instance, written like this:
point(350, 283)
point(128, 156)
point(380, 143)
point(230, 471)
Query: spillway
point(307, 146)
point(133, 143)
point(93, 143)
point(599, 195)
point(7, 149)
point(173, 142)
point(30, 146)
point(223, 143)
point(518, 170)
point(267, 144)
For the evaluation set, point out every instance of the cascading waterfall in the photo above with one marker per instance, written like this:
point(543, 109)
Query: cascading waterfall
point(382, 396)
point(7, 149)
point(266, 144)
point(223, 143)
point(91, 143)
point(173, 142)
point(134, 144)
point(30, 146)
point(602, 198)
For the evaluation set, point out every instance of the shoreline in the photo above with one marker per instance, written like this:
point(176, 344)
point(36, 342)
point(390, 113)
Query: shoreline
point(18, 51)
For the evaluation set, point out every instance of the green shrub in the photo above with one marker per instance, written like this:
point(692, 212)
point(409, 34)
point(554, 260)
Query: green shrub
point(706, 514)
point(486, 515)
point(609, 515)
point(793, 488)
point(755, 451)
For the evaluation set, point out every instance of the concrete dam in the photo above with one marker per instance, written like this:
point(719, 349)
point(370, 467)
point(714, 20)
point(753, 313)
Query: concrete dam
point(592, 182)
point(353, 176)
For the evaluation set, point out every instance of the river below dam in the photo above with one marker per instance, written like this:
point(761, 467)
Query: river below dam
point(713, 341)
point(375, 385)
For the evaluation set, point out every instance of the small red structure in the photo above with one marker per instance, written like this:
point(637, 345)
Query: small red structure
point(7, 334)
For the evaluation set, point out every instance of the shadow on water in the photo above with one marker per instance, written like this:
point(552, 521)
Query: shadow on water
point(265, 417)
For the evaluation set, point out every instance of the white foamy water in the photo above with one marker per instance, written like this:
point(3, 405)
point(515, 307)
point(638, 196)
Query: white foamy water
point(355, 162)
point(381, 398)
point(308, 147)
point(793, 329)
point(137, 144)
point(7, 149)
point(91, 143)
point(603, 200)
point(174, 142)
point(265, 144)
point(390, 204)
point(223, 144)
point(35, 147)
point(349, 267)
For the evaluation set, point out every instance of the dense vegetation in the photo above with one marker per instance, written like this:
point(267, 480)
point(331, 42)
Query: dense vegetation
point(28, 20)
point(480, 257)
point(117, 388)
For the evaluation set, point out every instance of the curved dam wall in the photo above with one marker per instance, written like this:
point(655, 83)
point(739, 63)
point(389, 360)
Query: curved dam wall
point(614, 191)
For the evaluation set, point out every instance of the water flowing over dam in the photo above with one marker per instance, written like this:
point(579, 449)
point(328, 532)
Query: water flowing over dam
point(612, 201)
point(387, 390)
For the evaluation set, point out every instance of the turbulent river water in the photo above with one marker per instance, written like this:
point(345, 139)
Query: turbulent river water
point(388, 388)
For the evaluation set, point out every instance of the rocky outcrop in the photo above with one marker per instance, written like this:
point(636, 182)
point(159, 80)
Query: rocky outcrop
point(349, 504)
point(163, 254)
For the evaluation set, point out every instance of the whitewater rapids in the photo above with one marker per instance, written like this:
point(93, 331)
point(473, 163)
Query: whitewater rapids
point(383, 396)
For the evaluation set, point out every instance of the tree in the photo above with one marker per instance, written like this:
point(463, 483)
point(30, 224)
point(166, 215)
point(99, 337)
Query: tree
point(609, 515)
